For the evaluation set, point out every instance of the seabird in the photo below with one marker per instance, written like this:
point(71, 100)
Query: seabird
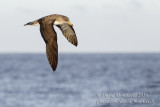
point(50, 36)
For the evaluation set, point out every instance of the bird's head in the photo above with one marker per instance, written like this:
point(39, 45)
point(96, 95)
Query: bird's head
point(62, 20)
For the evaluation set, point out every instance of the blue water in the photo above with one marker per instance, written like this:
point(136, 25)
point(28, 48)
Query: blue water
point(81, 80)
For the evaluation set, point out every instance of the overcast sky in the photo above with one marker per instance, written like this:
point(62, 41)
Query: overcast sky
point(100, 25)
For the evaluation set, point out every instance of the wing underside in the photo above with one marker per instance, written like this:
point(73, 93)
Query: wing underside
point(69, 33)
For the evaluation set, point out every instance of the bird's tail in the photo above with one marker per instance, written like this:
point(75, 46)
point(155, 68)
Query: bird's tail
point(32, 23)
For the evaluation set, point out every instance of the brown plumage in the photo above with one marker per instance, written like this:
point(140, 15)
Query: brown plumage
point(50, 36)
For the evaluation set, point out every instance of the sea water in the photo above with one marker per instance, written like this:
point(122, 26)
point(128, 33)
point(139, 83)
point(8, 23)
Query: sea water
point(81, 80)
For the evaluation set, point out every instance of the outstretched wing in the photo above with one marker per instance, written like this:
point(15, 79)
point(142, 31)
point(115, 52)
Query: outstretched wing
point(52, 53)
point(50, 37)
point(69, 33)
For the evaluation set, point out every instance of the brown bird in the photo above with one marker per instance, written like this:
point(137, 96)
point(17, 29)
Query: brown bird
point(50, 36)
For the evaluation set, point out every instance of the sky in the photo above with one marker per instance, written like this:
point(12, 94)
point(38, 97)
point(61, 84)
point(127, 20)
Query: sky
point(102, 26)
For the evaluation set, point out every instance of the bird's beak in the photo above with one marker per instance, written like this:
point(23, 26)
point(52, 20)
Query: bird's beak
point(70, 23)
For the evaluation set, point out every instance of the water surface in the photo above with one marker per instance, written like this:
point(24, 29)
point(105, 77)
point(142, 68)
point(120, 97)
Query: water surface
point(81, 80)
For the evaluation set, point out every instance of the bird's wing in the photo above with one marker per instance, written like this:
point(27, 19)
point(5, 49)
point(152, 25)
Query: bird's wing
point(52, 53)
point(50, 37)
point(69, 33)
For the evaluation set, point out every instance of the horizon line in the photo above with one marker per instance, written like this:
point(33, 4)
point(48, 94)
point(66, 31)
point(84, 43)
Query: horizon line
point(82, 52)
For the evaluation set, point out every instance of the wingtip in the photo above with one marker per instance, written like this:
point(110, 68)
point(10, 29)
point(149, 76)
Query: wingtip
point(76, 44)
point(54, 69)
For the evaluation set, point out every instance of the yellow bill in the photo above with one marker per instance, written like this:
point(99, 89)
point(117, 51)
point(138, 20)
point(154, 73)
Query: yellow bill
point(70, 23)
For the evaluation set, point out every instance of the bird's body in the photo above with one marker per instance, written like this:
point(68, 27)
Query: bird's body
point(50, 36)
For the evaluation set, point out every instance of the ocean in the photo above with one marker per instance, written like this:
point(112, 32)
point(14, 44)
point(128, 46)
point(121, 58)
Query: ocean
point(81, 80)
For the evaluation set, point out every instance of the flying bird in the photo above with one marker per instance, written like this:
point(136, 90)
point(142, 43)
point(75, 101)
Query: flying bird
point(49, 35)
